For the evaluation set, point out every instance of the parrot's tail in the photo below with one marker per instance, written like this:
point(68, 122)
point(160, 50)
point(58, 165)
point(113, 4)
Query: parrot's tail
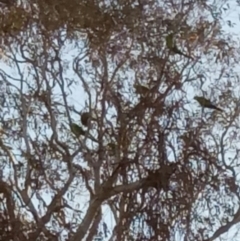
point(219, 109)
point(177, 51)
point(214, 107)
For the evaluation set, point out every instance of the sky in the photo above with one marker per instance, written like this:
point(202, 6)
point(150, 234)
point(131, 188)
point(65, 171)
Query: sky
point(78, 98)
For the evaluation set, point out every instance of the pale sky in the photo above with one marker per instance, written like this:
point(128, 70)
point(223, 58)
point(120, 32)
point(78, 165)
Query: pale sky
point(78, 98)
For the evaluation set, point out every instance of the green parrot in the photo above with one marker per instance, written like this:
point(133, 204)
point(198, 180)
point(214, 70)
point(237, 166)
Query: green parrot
point(206, 103)
point(77, 130)
point(140, 89)
point(112, 148)
point(85, 117)
point(172, 46)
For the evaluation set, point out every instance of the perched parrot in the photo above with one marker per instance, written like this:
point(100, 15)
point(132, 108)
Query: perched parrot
point(112, 148)
point(85, 117)
point(140, 89)
point(172, 46)
point(206, 103)
point(77, 130)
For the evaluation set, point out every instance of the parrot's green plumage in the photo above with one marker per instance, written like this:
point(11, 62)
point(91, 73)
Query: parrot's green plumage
point(85, 117)
point(112, 148)
point(77, 130)
point(172, 46)
point(206, 103)
point(140, 89)
point(169, 41)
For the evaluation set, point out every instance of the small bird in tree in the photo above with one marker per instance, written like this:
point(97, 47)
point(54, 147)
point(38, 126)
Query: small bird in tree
point(77, 130)
point(140, 89)
point(112, 147)
point(85, 117)
point(172, 46)
point(205, 103)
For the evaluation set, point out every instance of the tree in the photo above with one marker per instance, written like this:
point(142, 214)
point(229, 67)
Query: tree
point(162, 168)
